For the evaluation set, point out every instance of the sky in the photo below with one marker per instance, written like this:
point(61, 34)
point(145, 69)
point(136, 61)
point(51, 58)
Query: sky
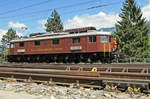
point(29, 16)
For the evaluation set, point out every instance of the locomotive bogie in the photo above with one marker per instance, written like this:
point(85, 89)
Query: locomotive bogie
point(61, 58)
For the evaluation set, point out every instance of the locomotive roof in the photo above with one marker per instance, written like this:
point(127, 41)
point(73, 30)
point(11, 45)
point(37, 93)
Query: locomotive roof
point(50, 34)
point(63, 35)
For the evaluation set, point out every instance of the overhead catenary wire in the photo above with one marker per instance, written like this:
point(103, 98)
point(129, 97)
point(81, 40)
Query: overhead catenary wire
point(67, 6)
point(21, 8)
point(69, 12)
point(4, 3)
point(41, 11)
point(7, 2)
point(27, 14)
point(102, 5)
point(31, 18)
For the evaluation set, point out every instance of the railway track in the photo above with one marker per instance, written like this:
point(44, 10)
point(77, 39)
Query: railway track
point(45, 65)
point(91, 76)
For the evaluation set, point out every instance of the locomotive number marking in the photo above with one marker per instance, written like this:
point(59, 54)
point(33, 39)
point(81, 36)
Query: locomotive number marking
point(75, 47)
point(21, 50)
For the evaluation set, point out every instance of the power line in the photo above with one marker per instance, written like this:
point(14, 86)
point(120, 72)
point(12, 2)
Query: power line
point(79, 10)
point(42, 11)
point(21, 8)
point(27, 14)
point(5, 2)
point(102, 5)
point(32, 13)
point(97, 6)
point(77, 4)
point(69, 12)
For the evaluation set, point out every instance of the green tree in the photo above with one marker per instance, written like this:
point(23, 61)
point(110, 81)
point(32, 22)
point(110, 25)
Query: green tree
point(148, 48)
point(54, 23)
point(148, 26)
point(131, 31)
point(10, 35)
point(148, 44)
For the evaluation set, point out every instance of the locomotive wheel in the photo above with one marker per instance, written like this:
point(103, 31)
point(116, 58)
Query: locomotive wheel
point(89, 60)
point(71, 59)
point(38, 59)
point(24, 59)
point(47, 59)
point(28, 59)
point(59, 58)
point(52, 58)
point(84, 58)
point(33, 59)
point(76, 61)
point(65, 59)
point(18, 59)
point(102, 60)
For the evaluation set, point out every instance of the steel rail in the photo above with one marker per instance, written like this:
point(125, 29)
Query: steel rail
point(72, 65)
point(102, 73)
point(85, 70)
point(74, 71)
point(81, 73)
point(75, 77)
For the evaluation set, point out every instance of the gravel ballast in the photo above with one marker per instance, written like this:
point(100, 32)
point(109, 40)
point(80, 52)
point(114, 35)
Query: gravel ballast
point(19, 90)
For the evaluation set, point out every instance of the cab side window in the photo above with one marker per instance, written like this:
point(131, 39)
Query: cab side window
point(104, 39)
point(21, 44)
point(75, 40)
point(55, 41)
point(37, 43)
point(92, 38)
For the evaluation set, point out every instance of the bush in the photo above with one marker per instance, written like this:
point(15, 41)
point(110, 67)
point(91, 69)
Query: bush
point(1, 59)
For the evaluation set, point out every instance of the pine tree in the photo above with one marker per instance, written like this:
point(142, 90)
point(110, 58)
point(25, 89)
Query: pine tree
point(131, 31)
point(148, 41)
point(10, 35)
point(54, 23)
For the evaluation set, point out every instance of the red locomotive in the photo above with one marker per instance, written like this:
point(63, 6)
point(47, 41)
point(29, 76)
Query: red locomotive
point(73, 45)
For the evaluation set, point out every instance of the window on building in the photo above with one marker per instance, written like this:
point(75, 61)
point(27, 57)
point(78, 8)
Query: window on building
point(21, 44)
point(75, 40)
point(55, 41)
point(36, 43)
point(104, 39)
point(92, 38)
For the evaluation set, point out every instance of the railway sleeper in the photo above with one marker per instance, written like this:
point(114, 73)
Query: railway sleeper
point(127, 86)
point(116, 85)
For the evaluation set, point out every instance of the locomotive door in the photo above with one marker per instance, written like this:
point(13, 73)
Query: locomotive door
point(84, 44)
point(91, 43)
